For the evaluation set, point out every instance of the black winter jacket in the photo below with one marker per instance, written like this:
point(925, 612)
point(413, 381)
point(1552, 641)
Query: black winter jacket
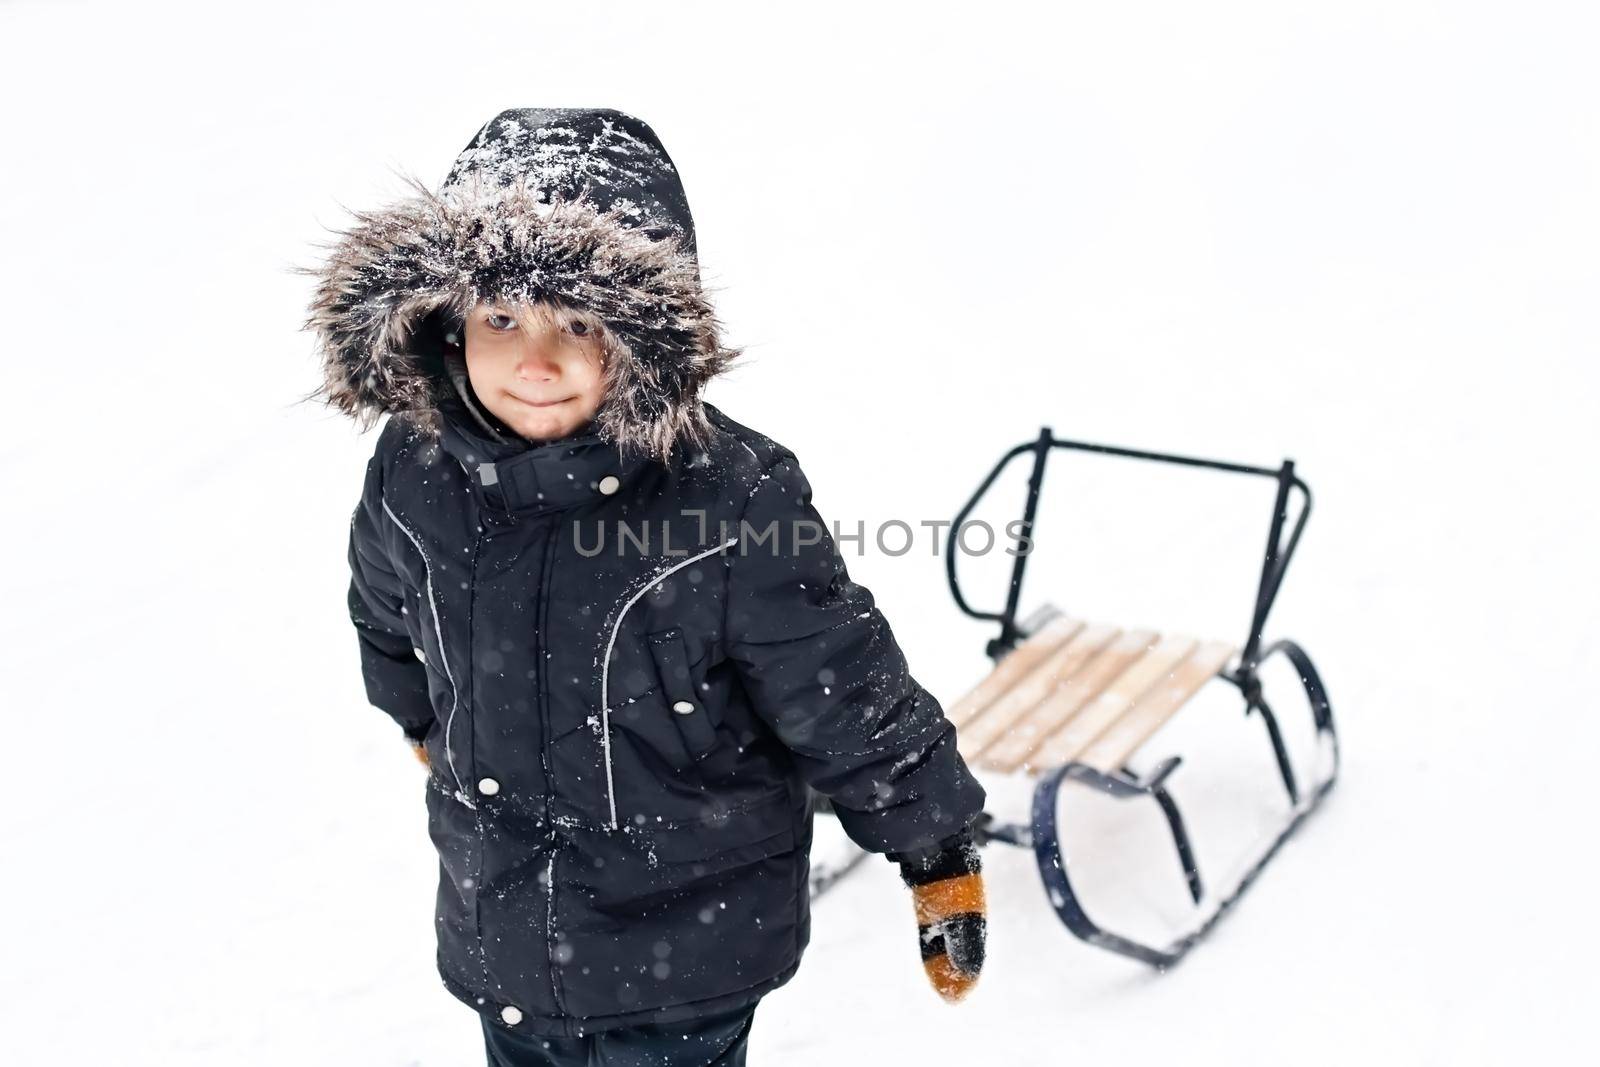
point(629, 652)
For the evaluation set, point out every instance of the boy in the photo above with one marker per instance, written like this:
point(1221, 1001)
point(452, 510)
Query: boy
point(609, 617)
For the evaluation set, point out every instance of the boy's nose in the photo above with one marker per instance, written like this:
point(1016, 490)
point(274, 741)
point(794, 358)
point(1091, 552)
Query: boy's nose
point(537, 360)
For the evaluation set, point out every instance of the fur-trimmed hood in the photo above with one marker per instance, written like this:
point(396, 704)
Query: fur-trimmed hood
point(578, 205)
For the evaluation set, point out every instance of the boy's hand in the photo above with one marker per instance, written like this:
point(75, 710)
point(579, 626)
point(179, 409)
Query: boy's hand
point(416, 737)
point(947, 889)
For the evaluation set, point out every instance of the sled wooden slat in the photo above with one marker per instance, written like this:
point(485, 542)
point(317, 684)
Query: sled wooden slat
point(1131, 684)
point(1124, 736)
point(1017, 663)
point(1058, 711)
point(1027, 696)
point(1085, 692)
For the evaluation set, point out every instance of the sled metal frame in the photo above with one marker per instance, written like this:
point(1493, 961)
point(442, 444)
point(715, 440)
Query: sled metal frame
point(1041, 832)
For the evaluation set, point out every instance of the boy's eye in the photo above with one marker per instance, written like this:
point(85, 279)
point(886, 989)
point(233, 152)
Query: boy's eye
point(500, 322)
point(579, 327)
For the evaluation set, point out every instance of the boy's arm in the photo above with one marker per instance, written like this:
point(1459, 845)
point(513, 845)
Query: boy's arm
point(823, 669)
point(396, 680)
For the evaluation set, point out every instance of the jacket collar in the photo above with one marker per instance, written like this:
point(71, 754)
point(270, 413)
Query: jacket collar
point(532, 477)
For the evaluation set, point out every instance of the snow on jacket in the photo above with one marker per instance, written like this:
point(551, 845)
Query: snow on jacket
point(628, 652)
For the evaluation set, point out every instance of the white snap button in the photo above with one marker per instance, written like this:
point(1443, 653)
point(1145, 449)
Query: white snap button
point(682, 707)
point(511, 1015)
point(610, 484)
point(423, 656)
point(488, 787)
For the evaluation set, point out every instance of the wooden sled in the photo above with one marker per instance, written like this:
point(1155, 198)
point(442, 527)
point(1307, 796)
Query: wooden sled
point(1073, 700)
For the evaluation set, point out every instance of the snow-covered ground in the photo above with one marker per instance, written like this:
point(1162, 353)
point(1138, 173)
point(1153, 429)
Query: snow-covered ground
point(1361, 234)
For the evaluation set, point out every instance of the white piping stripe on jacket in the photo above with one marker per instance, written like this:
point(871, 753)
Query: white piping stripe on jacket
point(605, 667)
point(444, 655)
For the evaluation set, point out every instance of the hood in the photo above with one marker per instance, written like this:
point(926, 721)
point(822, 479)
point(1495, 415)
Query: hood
point(578, 205)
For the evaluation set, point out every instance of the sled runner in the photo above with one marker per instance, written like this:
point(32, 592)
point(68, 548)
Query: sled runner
point(1073, 700)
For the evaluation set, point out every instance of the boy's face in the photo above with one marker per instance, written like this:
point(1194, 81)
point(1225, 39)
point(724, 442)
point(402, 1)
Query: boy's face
point(539, 368)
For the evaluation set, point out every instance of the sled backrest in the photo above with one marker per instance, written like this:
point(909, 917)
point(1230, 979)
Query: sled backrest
point(1275, 563)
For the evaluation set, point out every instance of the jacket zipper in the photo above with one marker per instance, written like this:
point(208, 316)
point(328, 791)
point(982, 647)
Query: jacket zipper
point(541, 614)
point(550, 920)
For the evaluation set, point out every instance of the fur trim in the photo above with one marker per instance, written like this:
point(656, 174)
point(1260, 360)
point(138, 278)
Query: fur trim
point(478, 241)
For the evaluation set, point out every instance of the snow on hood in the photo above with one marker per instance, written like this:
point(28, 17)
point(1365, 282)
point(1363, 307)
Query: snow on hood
point(579, 205)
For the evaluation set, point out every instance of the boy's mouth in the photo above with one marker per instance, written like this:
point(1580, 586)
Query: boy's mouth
point(538, 403)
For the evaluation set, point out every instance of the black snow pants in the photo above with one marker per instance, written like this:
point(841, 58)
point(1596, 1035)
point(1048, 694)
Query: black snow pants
point(714, 1041)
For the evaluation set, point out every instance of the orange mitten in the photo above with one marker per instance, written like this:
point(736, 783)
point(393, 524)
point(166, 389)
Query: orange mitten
point(946, 884)
point(417, 737)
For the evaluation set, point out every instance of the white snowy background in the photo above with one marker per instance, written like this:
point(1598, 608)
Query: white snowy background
point(1362, 235)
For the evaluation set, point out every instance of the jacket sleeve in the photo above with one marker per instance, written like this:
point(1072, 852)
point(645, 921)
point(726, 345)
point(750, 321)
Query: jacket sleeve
point(396, 680)
point(822, 668)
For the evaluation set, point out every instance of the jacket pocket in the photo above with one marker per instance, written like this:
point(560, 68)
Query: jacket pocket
point(663, 668)
point(675, 914)
point(691, 714)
